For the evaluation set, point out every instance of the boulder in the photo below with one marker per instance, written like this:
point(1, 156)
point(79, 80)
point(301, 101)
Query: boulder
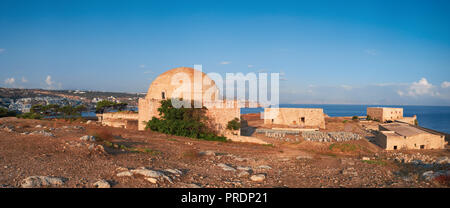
point(264, 167)
point(226, 167)
point(102, 184)
point(147, 172)
point(88, 138)
point(243, 174)
point(151, 180)
point(442, 160)
point(41, 181)
point(124, 173)
point(258, 177)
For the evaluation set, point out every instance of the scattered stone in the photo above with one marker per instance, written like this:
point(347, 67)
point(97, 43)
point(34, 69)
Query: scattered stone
point(431, 175)
point(41, 181)
point(226, 167)
point(38, 126)
point(102, 184)
point(151, 180)
point(88, 138)
point(349, 171)
point(264, 167)
point(88, 122)
point(243, 174)
point(124, 173)
point(174, 171)
point(148, 173)
point(365, 158)
point(443, 160)
point(121, 169)
point(167, 178)
point(208, 153)
point(244, 168)
point(42, 132)
point(96, 147)
point(304, 157)
point(258, 177)
point(192, 185)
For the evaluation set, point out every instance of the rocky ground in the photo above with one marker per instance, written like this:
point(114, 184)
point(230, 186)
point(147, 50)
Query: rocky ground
point(56, 153)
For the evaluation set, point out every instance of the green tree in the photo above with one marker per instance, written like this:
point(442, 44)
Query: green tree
point(188, 122)
point(234, 124)
point(103, 105)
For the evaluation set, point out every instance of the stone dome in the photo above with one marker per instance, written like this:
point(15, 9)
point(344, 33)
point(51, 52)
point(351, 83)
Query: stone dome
point(178, 82)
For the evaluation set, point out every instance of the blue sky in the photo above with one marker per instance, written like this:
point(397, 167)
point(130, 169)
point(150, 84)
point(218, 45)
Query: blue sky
point(347, 52)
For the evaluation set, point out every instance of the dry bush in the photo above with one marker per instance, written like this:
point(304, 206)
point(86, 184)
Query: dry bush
point(102, 134)
point(443, 179)
point(191, 154)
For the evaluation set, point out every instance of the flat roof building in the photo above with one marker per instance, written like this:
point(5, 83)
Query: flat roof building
point(298, 117)
point(384, 114)
point(395, 136)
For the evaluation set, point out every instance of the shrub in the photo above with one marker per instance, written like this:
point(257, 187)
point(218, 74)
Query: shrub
point(234, 124)
point(103, 135)
point(355, 118)
point(6, 113)
point(29, 115)
point(345, 121)
point(187, 122)
point(368, 118)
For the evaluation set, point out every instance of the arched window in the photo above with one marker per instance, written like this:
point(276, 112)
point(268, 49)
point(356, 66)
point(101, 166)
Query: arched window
point(163, 95)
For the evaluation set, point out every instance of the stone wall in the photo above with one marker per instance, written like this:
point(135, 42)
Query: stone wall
point(385, 114)
point(147, 109)
point(219, 118)
point(408, 120)
point(300, 117)
point(119, 119)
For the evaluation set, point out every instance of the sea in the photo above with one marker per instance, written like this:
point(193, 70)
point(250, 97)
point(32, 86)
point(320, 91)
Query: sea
point(432, 117)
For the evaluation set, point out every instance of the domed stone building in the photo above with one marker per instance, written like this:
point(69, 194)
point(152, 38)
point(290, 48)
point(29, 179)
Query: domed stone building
point(183, 79)
point(191, 85)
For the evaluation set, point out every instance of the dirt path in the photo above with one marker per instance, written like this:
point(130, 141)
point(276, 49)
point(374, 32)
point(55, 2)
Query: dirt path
point(182, 162)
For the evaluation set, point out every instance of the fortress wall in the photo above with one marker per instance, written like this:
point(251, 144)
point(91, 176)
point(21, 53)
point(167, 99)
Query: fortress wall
point(120, 115)
point(302, 117)
point(385, 114)
point(219, 118)
point(147, 109)
point(120, 119)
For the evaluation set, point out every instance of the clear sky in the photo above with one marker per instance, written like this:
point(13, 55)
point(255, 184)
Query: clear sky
point(337, 51)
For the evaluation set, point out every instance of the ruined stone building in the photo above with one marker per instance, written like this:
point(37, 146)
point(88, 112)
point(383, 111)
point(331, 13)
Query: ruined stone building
point(383, 114)
point(396, 136)
point(296, 117)
point(127, 120)
point(181, 83)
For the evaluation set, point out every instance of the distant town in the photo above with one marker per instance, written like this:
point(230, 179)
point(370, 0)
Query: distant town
point(21, 100)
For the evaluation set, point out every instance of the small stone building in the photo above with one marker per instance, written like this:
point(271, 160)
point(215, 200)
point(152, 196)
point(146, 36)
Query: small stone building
point(385, 114)
point(298, 117)
point(396, 136)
